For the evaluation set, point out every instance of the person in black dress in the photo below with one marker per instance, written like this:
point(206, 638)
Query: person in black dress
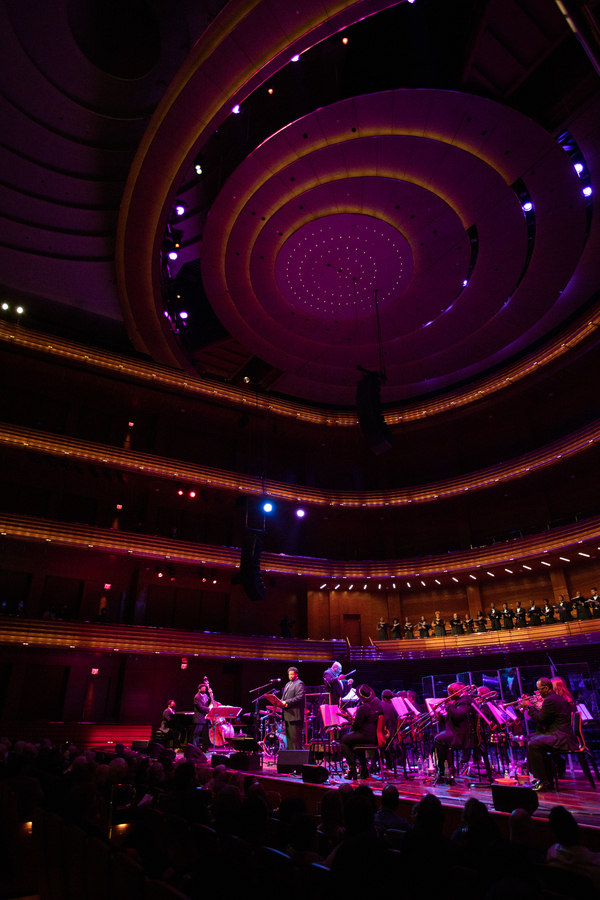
point(494, 618)
point(382, 630)
point(534, 615)
point(456, 626)
point(507, 618)
point(480, 620)
point(548, 613)
point(439, 629)
point(469, 625)
point(396, 630)
point(408, 629)
point(521, 616)
point(423, 627)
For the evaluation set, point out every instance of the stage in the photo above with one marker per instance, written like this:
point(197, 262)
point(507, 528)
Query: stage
point(575, 794)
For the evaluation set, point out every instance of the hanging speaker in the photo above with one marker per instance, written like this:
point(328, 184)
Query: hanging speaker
point(250, 576)
point(370, 416)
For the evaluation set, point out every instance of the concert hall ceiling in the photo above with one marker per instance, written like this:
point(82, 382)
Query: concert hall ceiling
point(352, 176)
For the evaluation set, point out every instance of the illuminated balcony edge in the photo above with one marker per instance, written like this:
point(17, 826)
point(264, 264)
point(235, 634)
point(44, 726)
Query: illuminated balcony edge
point(162, 467)
point(103, 540)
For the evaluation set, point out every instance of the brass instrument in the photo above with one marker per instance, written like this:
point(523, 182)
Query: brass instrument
point(425, 720)
point(534, 699)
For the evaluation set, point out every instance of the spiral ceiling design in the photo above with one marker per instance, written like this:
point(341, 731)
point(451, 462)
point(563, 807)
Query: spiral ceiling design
point(386, 192)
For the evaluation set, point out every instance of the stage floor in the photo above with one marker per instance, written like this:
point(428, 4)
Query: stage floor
point(575, 793)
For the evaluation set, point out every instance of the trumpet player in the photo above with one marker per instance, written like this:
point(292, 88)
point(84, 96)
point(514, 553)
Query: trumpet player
point(553, 721)
point(459, 733)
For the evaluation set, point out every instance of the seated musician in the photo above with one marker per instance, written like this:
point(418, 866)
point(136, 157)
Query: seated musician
point(364, 730)
point(165, 726)
point(459, 733)
point(553, 721)
point(337, 686)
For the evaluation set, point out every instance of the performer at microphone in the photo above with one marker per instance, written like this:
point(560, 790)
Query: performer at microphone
point(459, 728)
point(337, 686)
point(293, 710)
point(202, 702)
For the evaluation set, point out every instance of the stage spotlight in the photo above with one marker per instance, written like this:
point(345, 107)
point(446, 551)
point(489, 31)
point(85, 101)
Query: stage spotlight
point(300, 513)
point(171, 572)
point(179, 209)
point(159, 571)
point(5, 306)
point(180, 493)
point(295, 58)
point(344, 40)
point(213, 576)
point(183, 315)
point(192, 494)
point(270, 91)
point(20, 309)
point(236, 109)
point(578, 168)
point(267, 506)
point(587, 192)
point(527, 207)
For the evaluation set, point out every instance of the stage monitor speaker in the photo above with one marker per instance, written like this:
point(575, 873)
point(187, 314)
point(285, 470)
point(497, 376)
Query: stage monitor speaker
point(219, 759)
point(245, 762)
point(139, 746)
point(292, 761)
point(370, 415)
point(506, 798)
point(195, 755)
point(315, 774)
point(250, 576)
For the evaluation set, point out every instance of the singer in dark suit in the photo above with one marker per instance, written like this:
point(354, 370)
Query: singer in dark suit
point(293, 710)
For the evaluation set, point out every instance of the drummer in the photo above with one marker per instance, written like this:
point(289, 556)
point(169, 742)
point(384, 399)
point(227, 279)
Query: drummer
point(337, 686)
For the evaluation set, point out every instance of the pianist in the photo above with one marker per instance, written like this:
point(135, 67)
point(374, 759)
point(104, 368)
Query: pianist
point(165, 725)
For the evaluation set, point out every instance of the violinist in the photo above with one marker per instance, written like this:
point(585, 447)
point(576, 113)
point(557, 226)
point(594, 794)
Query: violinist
point(459, 733)
point(335, 683)
point(553, 720)
point(202, 703)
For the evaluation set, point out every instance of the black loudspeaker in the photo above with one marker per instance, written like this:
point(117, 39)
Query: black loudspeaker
point(315, 774)
point(219, 759)
point(370, 416)
point(250, 576)
point(292, 761)
point(195, 755)
point(139, 746)
point(245, 762)
point(506, 798)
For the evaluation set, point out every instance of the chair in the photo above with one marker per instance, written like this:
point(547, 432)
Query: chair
point(382, 741)
point(582, 752)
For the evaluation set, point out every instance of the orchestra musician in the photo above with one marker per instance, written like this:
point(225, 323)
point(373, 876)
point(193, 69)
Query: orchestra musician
point(335, 683)
point(553, 720)
point(459, 732)
point(202, 703)
point(165, 727)
point(293, 709)
point(364, 730)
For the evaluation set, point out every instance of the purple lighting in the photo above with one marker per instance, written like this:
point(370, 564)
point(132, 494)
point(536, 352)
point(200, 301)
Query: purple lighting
point(587, 192)
point(295, 58)
point(300, 513)
point(236, 109)
point(183, 315)
point(527, 207)
point(179, 209)
point(172, 254)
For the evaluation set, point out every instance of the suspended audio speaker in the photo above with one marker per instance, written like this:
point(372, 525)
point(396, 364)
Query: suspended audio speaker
point(370, 416)
point(250, 576)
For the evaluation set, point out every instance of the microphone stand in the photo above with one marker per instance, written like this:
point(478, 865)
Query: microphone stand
point(261, 691)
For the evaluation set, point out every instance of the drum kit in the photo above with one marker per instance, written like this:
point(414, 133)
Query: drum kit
point(272, 736)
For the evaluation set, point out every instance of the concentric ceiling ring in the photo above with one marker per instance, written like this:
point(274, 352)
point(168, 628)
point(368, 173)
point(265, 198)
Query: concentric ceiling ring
point(421, 167)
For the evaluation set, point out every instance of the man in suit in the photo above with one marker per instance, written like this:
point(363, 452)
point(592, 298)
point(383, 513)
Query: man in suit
point(293, 710)
point(553, 721)
point(201, 707)
point(459, 733)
